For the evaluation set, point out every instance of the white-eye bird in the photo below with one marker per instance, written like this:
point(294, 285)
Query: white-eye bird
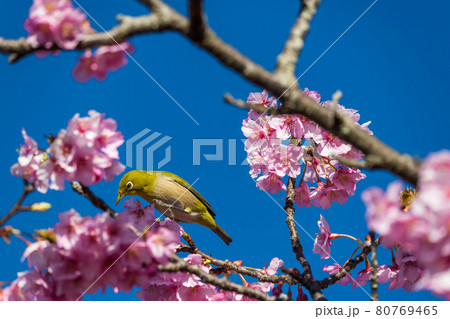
point(172, 196)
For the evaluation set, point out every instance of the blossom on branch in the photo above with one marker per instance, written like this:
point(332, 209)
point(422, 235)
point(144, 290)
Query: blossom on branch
point(103, 60)
point(29, 163)
point(92, 253)
point(86, 151)
point(421, 232)
point(55, 22)
point(322, 242)
point(274, 148)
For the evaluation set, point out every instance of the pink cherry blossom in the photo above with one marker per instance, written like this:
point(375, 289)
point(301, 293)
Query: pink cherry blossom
point(285, 160)
point(270, 151)
point(86, 247)
point(179, 286)
point(322, 241)
point(303, 195)
point(406, 272)
point(329, 144)
point(98, 64)
point(271, 183)
point(140, 217)
point(384, 214)
point(286, 125)
point(261, 99)
point(346, 179)
point(386, 273)
point(363, 278)
point(274, 265)
point(86, 151)
point(421, 233)
point(333, 269)
point(257, 155)
point(69, 28)
point(325, 194)
point(30, 164)
point(225, 295)
point(55, 22)
point(312, 94)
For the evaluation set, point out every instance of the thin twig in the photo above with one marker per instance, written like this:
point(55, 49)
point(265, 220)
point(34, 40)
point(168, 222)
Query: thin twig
point(351, 264)
point(177, 264)
point(96, 201)
point(287, 60)
point(28, 188)
point(374, 267)
point(309, 282)
point(197, 20)
point(226, 264)
point(370, 162)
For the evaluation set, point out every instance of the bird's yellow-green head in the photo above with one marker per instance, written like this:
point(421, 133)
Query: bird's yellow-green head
point(133, 183)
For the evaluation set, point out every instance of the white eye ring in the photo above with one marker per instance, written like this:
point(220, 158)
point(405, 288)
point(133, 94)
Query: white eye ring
point(129, 185)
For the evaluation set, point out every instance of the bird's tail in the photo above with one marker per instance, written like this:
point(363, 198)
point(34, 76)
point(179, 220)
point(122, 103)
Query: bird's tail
point(222, 234)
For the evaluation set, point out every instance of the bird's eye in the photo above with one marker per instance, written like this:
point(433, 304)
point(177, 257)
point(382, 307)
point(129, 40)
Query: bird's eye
point(130, 185)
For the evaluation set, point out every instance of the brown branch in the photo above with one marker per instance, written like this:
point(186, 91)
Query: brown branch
point(197, 20)
point(370, 162)
point(178, 264)
point(309, 282)
point(226, 264)
point(351, 264)
point(287, 60)
point(96, 201)
point(151, 4)
point(294, 100)
point(374, 267)
point(28, 188)
point(127, 28)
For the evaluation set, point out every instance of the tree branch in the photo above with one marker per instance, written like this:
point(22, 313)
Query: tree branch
point(351, 264)
point(226, 264)
point(197, 20)
point(309, 282)
point(28, 188)
point(96, 201)
point(374, 267)
point(127, 28)
point(178, 264)
point(287, 60)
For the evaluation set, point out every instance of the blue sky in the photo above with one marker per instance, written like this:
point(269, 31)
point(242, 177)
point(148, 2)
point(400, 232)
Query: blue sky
point(392, 66)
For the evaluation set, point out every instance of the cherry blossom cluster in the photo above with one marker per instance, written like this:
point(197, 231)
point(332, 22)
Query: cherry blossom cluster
point(56, 23)
point(422, 231)
point(86, 151)
point(104, 59)
point(403, 273)
point(187, 287)
point(277, 146)
point(92, 253)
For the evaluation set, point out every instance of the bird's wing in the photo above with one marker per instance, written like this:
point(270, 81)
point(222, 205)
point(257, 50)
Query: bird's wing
point(186, 185)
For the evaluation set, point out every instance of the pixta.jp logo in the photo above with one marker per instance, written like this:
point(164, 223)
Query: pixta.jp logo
point(143, 146)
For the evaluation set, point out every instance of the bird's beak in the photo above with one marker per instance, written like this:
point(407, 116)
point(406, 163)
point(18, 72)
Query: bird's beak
point(119, 198)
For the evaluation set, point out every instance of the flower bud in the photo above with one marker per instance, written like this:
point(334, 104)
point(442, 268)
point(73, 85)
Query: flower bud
point(41, 207)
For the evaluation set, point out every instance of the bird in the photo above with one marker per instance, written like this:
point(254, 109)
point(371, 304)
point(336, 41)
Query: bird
point(172, 196)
